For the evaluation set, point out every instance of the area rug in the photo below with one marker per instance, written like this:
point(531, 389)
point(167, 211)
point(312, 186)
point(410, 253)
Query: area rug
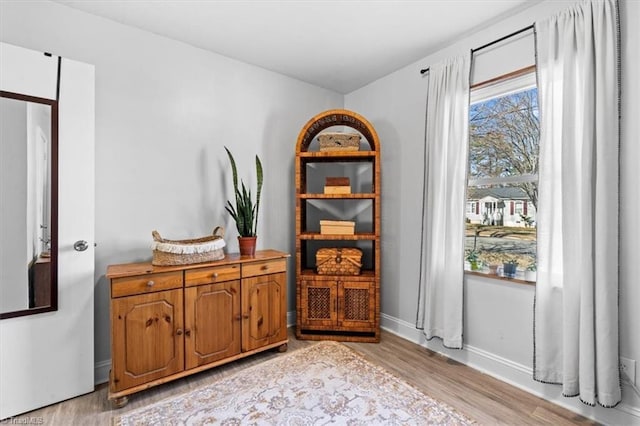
point(326, 383)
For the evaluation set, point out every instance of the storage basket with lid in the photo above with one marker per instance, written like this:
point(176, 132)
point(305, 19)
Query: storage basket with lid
point(339, 261)
point(339, 141)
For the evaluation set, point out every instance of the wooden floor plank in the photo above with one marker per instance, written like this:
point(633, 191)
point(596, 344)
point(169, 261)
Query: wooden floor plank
point(477, 395)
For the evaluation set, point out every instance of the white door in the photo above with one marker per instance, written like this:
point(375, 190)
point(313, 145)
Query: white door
point(48, 357)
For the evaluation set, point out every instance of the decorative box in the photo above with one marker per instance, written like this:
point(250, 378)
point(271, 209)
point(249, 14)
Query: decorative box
point(339, 141)
point(337, 185)
point(337, 227)
point(339, 261)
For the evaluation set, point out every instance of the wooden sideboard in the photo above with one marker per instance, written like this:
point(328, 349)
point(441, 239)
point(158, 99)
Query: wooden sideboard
point(168, 322)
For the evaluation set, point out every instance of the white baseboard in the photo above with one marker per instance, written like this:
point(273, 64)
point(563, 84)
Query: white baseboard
point(513, 373)
point(101, 371)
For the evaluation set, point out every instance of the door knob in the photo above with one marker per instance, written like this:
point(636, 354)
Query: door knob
point(80, 245)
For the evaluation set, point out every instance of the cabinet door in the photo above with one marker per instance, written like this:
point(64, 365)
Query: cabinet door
point(264, 316)
point(356, 304)
point(147, 337)
point(212, 322)
point(318, 303)
point(278, 304)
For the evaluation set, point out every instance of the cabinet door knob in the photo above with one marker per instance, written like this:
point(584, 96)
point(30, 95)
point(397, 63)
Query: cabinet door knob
point(245, 316)
point(179, 332)
point(238, 317)
point(150, 283)
point(265, 267)
point(187, 332)
point(215, 275)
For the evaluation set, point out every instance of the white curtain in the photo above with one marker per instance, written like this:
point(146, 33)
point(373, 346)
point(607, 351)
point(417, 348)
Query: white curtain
point(442, 256)
point(576, 308)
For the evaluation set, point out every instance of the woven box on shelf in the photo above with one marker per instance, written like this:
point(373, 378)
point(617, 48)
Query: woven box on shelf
point(339, 261)
point(330, 141)
point(186, 252)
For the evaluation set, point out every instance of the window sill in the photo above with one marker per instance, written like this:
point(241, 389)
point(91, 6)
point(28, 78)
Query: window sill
point(498, 277)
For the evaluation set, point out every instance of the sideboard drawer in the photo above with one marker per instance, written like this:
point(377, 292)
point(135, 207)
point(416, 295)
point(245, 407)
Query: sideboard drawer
point(140, 284)
point(211, 275)
point(262, 268)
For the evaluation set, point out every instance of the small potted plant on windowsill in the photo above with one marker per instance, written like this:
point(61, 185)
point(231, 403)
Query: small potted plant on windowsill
point(245, 211)
point(509, 268)
point(474, 260)
point(530, 274)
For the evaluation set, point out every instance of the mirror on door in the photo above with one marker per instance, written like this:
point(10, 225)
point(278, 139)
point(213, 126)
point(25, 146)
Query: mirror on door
point(28, 196)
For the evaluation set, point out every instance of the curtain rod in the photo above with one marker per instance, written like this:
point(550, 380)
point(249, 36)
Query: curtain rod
point(513, 34)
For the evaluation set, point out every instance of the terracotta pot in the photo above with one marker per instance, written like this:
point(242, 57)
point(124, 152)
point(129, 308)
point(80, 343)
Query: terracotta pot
point(247, 246)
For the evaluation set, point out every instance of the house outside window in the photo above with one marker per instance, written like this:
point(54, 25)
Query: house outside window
point(502, 175)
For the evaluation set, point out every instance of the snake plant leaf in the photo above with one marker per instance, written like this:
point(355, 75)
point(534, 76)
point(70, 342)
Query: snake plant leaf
point(260, 178)
point(234, 170)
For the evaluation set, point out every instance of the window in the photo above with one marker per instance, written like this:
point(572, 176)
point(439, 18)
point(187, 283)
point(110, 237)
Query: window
point(471, 208)
point(502, 175)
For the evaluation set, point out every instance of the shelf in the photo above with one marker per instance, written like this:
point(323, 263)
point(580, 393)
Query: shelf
point(365, 275)
point(355, 237)
point(337, 156)
point(356, 196)
point(338, 307)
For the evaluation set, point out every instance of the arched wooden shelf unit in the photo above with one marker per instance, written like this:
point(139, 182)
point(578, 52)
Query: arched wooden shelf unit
point(338, 307)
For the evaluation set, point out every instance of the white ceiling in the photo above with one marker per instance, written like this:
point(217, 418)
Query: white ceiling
point(338, 45)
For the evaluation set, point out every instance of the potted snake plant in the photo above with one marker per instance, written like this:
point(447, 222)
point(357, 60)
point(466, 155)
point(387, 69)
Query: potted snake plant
point(245, 211)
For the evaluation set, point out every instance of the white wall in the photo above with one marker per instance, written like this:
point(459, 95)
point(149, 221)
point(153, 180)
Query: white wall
point(164, 111)
point(498, 316)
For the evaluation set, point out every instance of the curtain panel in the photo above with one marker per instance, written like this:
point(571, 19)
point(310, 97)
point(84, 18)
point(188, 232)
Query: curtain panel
point(576, 302)
point(442, 250)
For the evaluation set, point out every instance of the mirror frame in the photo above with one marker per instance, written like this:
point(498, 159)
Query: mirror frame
point(53, 303)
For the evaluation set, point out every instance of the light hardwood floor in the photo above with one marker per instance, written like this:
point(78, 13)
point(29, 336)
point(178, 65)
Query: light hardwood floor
point(480, 397)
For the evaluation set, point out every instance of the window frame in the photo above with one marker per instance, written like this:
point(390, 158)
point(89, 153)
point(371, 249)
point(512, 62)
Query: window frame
point(518, 81)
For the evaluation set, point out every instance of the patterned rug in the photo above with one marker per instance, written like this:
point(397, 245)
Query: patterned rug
point(326, 383)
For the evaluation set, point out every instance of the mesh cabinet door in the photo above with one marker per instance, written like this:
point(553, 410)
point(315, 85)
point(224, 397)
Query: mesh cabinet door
point(318, 303)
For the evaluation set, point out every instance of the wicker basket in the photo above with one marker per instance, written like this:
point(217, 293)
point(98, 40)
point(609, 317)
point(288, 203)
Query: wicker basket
point(339, 261)
point(186, 252)
point(339, 141)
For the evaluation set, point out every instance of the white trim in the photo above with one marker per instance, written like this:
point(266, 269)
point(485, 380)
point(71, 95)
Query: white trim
point(101, 371)
point(503, 88)
point(291, 318)
point(513, 373)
